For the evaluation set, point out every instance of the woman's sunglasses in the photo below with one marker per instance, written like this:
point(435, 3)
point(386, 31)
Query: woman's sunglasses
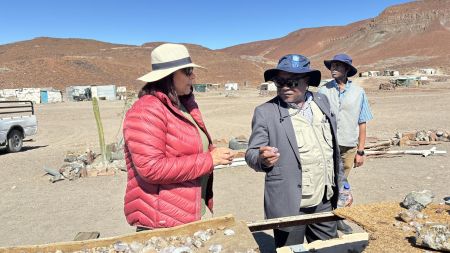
point(188, 71)
point(290, 83)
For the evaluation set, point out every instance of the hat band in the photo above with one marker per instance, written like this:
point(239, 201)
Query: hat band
point(171, 64)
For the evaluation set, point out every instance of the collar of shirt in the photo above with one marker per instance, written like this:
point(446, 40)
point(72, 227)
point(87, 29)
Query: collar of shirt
point(347, 86)
point(306, 110)
point(306, 104)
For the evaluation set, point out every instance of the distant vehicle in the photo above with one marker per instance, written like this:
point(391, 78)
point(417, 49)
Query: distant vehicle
point(17, 121)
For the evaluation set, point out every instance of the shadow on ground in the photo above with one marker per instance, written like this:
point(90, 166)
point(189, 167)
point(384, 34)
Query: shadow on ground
point(265, 242)
point(3, 150)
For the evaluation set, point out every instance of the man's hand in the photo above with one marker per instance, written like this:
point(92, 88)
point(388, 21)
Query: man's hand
point(268, 155)
point(359, 160)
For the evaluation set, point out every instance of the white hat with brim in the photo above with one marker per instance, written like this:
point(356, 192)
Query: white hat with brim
point(166, 59)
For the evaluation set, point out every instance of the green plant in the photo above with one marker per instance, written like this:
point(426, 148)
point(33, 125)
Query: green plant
point(101, 135)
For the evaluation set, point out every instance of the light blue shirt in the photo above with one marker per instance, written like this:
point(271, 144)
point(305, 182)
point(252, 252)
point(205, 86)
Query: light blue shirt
point(351, 108)
point(365, 114)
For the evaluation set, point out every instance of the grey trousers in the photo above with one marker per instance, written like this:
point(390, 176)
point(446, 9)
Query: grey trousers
point(312, 232)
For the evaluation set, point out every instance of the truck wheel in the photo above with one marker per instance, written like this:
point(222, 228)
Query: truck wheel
point(15, 141)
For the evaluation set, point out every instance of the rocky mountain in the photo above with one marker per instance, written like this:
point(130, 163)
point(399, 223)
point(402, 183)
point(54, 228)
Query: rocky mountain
point(404, 37)
point(50, 62)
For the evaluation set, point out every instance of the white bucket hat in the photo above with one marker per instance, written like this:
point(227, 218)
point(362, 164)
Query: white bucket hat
point(166, 59)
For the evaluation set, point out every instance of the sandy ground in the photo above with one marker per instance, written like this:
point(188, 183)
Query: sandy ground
point(35, 211)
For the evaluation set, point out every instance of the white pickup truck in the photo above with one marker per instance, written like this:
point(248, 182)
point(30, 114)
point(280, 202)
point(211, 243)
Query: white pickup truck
point(17, 121)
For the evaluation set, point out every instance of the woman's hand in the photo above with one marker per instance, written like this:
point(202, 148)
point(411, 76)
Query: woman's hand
point(222, 156)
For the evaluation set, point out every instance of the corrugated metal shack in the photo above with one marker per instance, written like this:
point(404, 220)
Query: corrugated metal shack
point(78, 93)
point(87, 92)
point(104, 92)
point(199, 87)
point(50, 95)
point(407, 81)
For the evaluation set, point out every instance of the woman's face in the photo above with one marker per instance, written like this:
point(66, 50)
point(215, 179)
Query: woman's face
point(183, 80)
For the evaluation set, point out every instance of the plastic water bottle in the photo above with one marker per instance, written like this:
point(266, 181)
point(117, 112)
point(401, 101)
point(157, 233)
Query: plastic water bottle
point(344, 195)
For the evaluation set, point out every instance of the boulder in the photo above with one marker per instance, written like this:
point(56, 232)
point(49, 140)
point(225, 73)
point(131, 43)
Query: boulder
point(434, 235)
point(418, 200)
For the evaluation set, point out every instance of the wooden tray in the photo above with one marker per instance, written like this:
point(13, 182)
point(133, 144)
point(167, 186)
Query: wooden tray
point(240, 242)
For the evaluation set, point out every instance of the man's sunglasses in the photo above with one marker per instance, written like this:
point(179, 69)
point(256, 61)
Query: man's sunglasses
point(188, 71)
point(290, 83)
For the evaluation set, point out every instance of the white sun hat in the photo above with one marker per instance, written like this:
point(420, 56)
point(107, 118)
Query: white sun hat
point(166, 59)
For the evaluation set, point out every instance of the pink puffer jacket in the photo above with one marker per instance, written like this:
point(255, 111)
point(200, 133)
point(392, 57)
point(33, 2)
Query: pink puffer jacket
point(165, 160)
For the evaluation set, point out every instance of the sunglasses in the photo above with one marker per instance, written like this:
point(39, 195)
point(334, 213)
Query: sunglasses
point(188, 71)
point(290, 83)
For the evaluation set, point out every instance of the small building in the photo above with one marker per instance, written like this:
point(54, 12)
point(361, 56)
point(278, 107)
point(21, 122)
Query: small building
point(213, 86)
point(364, 74)
point(406, 81)
point(31, 94)
point(7, 94)
point(374, 73)
point(428, 71)
point(87, 92)
point(121, 92)
point(200, 87)
point(267, 88)
point(389, 72)
point(370, 73)
point(78, 93)
point(50, 95)
point(231, 86)
point(104, 92)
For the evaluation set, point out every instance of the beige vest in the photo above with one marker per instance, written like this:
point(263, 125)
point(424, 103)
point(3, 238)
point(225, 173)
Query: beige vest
point(315, 145)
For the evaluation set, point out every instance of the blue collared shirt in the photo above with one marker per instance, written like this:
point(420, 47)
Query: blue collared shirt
point(351, 108)
point(365, 112)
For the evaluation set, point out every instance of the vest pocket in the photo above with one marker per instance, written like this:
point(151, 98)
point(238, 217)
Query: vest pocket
point(304, 143)
point(307, 187)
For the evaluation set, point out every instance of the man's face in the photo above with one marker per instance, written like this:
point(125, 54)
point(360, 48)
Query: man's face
point(289, 93)
point(338, 70)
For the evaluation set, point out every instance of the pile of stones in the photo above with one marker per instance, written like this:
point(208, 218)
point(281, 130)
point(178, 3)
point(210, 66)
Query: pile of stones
point(198, 242)
point(428, 234)
point(87, 164)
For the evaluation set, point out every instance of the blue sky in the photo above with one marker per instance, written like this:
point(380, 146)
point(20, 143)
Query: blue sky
point(213, 24)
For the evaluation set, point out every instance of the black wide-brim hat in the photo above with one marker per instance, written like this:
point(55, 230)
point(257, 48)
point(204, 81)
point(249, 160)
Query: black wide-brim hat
point(296, 64)
point(347, 60)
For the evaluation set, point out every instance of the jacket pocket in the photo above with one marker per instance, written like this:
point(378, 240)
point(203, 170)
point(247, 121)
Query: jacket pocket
point(274, 174)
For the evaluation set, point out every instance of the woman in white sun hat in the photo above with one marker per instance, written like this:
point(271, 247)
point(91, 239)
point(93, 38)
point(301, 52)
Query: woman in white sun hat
point(168, 151)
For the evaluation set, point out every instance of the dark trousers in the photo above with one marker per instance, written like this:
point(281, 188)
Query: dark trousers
point(312, 232)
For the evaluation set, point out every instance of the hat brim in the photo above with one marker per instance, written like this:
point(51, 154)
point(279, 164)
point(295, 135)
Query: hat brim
point(159, 74)
point(314, 75)
point(350, 73)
